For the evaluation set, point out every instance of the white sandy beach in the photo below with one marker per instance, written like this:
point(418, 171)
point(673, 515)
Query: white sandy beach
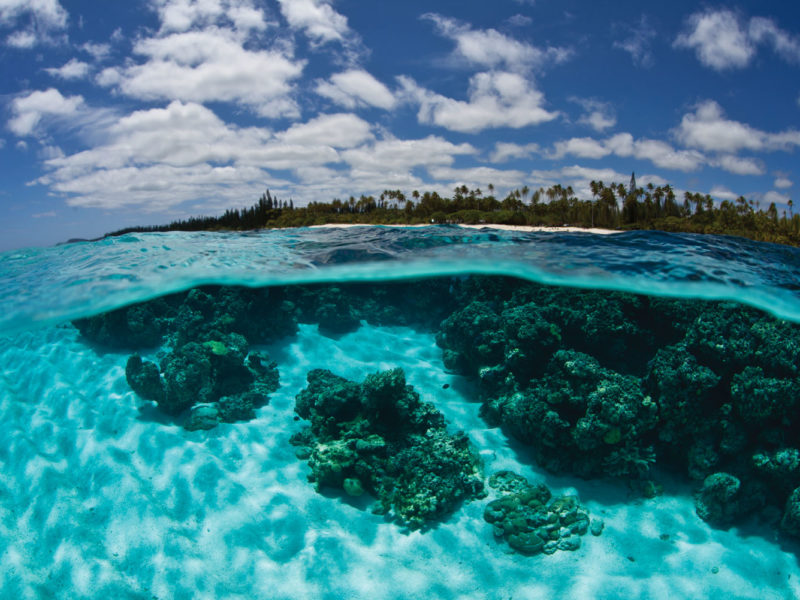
point(524, 228)
point(103, 497)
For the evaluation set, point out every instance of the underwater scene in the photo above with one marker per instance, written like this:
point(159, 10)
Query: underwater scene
point(388, 412)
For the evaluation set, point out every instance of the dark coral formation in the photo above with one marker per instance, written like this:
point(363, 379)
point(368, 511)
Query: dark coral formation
point(379, 437)
point(218, 379)
point(531, 520)
point(608, 384)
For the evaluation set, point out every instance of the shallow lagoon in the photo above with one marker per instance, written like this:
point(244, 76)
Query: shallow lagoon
point(103, 494)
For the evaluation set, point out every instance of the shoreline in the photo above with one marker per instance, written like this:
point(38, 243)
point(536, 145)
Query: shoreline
point(521, 228)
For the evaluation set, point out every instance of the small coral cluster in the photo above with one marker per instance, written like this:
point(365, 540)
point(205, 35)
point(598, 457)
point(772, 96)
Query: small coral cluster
point(532, 521)
point(379, 437)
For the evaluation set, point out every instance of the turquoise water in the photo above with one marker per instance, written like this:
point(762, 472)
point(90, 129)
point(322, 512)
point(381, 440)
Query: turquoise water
point(657, 385)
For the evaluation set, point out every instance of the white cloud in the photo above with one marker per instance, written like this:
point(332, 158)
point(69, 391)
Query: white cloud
point(491, 49)
point(206, 66)
point(28, 111)
point(718, 38)
point(659, 153)
point(783, 183)
point(22, 40)
point(97, 51)
point(739, 165)
point(709, 130)
point(723, 41)
point(338, 131)
point(496, 99)
point(776, 197)
point(74, 69)
point(636, 40)
point(317, 18)
point(355, 88)
point(723, 193)
point(159, 159)
point(48, 13)
point(41, 18)
point(505, 151)
point(763, 30)
point(597, 115)
point(477, 177)
point(402, 155)
point(182, 15)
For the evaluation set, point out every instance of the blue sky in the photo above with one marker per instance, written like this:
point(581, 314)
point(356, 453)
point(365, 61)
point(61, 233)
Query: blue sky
point(123, 113)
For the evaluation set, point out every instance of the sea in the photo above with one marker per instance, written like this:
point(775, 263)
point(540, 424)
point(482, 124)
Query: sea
point(373, 412)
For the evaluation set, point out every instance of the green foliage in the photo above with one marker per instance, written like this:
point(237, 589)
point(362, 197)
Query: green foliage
point(612, 206)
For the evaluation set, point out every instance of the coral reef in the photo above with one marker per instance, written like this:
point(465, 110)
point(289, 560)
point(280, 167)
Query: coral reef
point(608, 384)
point(531, 521)
point(594, 383)
point(379, 437)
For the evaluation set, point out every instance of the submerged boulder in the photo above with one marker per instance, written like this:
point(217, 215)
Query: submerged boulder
point(379, 437)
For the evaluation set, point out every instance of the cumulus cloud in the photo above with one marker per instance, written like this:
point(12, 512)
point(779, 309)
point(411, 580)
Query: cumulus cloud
point(659, 153)
point(488, 48)
point(39, 19)
point(723, 193)
point(783, 183)
point(97, 51)
point(722, 40)
point(476, 177)
point(496, 99)
point(210, 65)
point(356, 88)
point(718, 38)
point(339, 131)
point(317, 19)
point(29, 111)
point(738, 165)
point(402, 155)
point(182, 15)
point(776, 197)
point(159, 159)
point(708, 129)
point(74, 69)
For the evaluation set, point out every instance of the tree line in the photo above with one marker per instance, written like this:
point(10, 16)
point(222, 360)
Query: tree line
point(612, 206)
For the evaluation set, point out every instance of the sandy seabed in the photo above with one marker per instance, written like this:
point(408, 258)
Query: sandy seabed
point(101, 496)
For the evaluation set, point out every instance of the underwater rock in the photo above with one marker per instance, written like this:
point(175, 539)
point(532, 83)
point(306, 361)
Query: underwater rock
point(203, 416)
point(379, 437)
point(526, 517)
point(144, 379)
point(718, 501)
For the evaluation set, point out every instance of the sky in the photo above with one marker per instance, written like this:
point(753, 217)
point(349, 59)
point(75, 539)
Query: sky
point(115, 114)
